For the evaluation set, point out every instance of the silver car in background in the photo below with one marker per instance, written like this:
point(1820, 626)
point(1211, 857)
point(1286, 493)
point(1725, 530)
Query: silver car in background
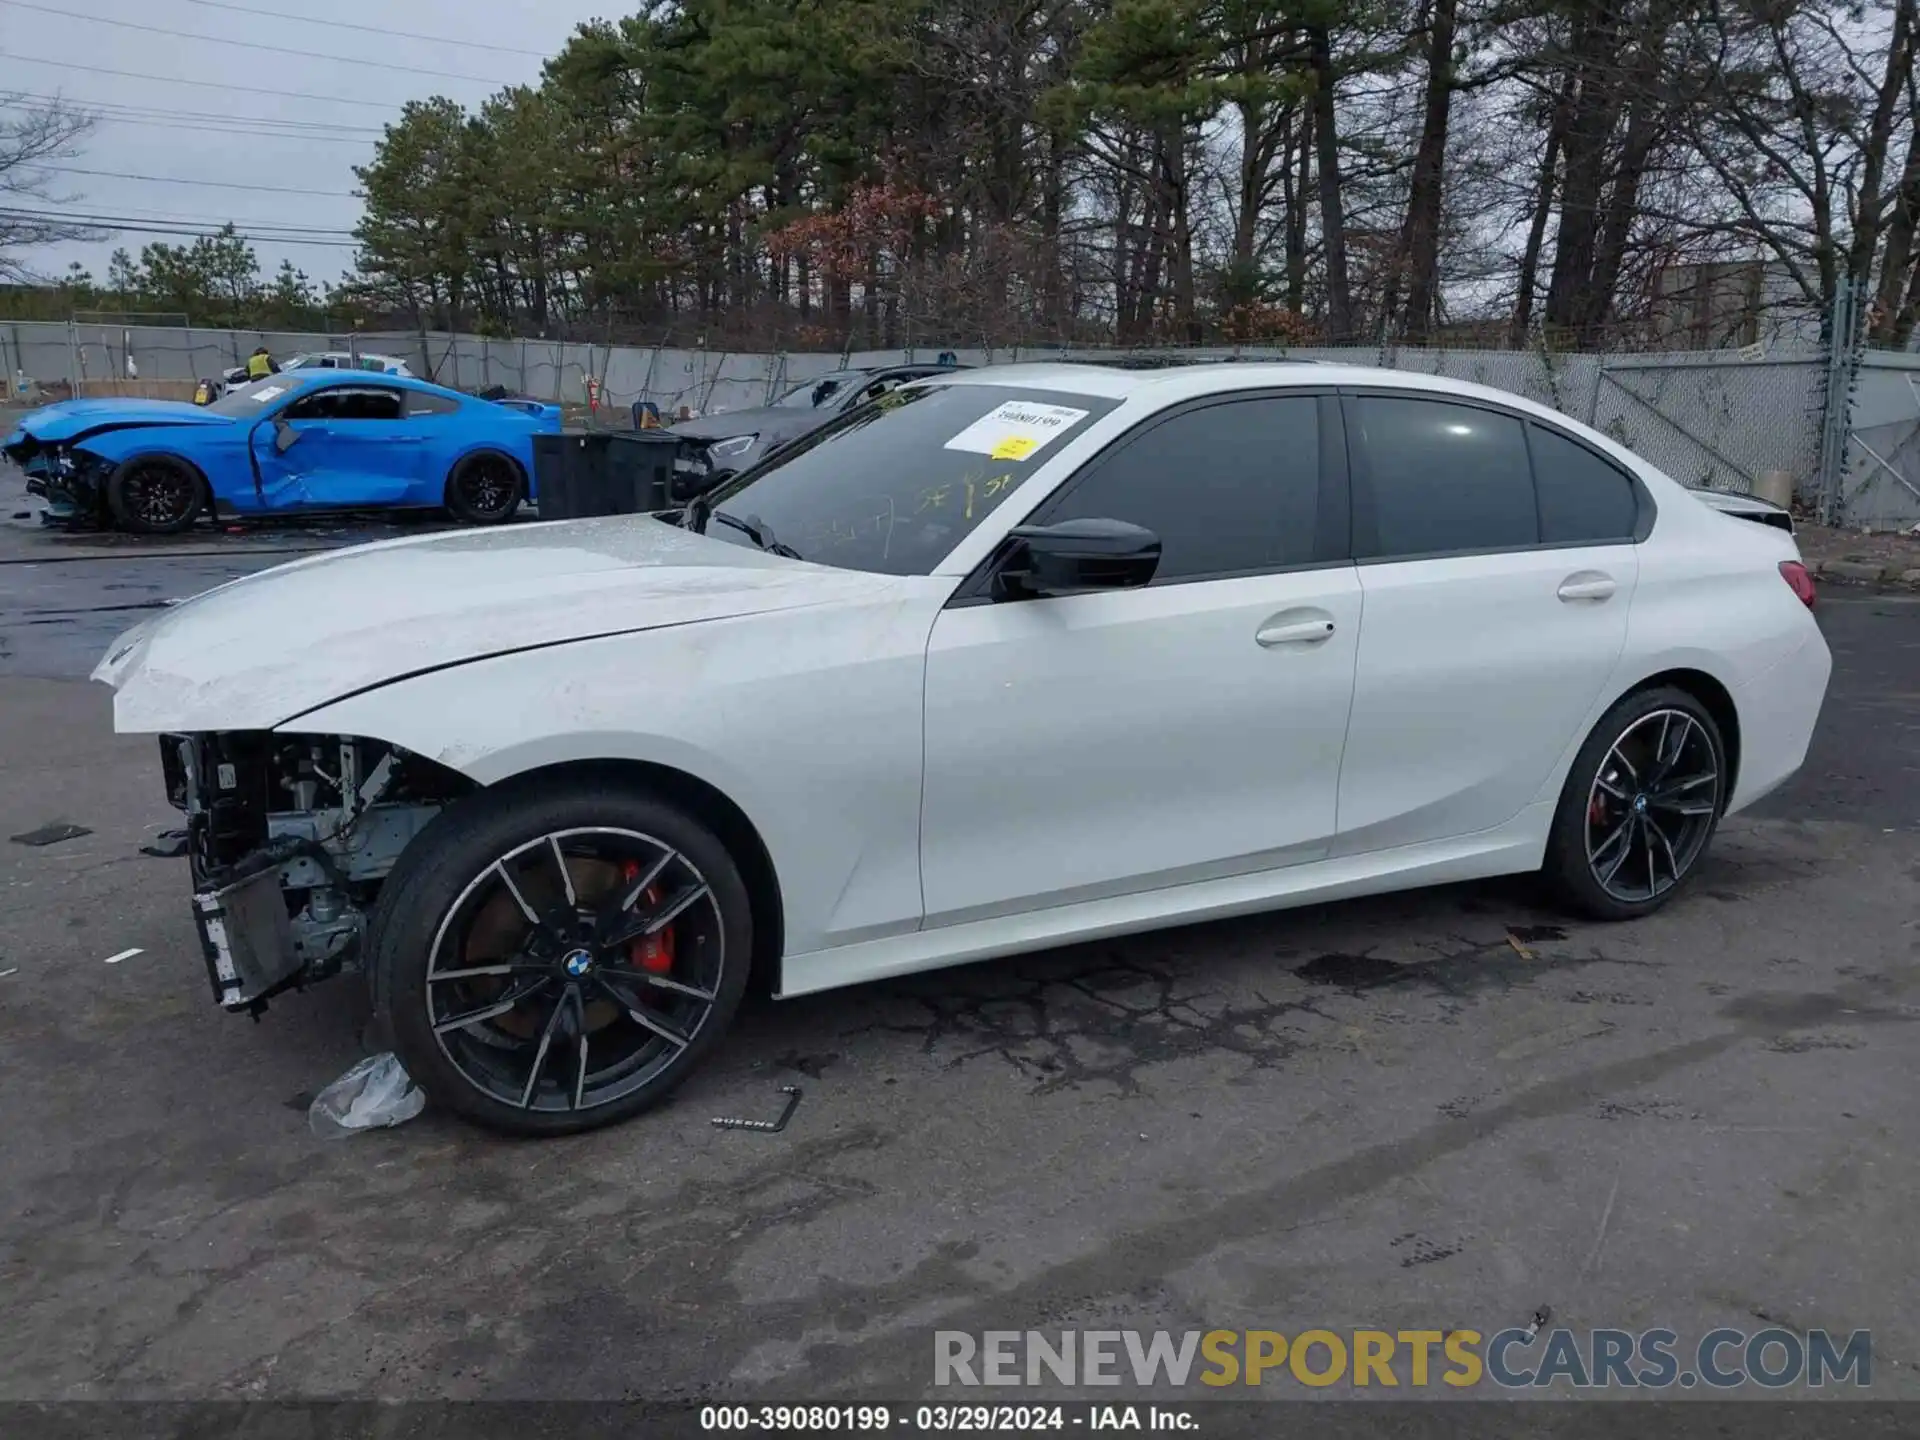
point(739, 438)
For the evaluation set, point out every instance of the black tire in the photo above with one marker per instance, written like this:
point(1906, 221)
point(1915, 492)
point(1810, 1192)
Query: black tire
point(1640, 806)
point(485, 488)
point(443, 899)
point(155, 495)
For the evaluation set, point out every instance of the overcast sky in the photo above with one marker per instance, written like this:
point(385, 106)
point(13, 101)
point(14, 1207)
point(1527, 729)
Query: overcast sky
point(62, 47)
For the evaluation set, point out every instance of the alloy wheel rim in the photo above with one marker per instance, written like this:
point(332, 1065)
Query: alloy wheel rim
point(575, 969)
point(487, 488)
point(1652, 805)
point(158, 494)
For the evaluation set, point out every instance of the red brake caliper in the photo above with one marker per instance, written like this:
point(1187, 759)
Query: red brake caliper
point(652, 953)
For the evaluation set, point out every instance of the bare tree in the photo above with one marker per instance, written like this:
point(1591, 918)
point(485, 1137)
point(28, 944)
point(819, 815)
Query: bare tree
point(34, 133)
point(1795, 118)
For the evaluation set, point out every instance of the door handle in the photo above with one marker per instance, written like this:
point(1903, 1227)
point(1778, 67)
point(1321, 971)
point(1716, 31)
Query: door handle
point(1586, 585)
point(1310, 632)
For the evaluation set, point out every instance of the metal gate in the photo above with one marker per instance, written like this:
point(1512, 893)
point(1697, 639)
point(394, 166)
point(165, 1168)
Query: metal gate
point(1880, 479)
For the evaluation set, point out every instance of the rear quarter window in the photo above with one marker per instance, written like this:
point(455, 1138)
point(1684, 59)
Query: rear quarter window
point(1584, 498)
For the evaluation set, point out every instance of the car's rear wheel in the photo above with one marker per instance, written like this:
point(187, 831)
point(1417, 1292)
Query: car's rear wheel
point(485, 489)
point(155, 495)
point(1639, 807)
point(555, 960)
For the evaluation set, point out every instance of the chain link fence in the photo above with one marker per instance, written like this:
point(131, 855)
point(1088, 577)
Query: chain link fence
point(1720, 418)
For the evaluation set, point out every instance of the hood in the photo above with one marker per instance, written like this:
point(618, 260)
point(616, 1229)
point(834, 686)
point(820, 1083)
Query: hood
point(70, 419)
point(266, 648)
point(761, 420)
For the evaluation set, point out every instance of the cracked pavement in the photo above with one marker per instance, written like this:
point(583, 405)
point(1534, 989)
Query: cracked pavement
point(1446, 1107)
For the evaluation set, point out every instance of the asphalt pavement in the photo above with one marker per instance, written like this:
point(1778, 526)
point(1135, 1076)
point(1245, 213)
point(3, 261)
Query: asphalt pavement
point(1450, 1107)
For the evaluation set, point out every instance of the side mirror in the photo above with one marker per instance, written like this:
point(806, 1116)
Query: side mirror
point(283, 437)
point(1077, 556)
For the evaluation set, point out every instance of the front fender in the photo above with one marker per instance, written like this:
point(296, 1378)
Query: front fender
point(116, 447)
point(221, 466)
point(810, 721)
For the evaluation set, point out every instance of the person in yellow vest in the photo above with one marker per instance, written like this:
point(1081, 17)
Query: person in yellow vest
point(260, 365)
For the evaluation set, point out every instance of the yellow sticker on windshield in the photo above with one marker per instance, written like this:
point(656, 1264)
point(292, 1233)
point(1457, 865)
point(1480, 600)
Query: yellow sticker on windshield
point(1015, 447)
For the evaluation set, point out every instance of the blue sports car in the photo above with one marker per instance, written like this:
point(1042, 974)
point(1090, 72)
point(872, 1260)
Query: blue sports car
point(291, 443)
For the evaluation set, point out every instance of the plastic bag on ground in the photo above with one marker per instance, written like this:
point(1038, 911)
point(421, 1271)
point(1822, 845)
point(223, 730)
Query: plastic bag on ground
point(375, 1093)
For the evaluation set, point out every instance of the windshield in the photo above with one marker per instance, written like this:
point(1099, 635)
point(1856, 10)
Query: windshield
point(819, 390)
point(898, 483)
point(253, 397)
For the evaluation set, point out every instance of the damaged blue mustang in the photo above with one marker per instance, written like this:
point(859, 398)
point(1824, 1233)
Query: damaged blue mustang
point(288, 444)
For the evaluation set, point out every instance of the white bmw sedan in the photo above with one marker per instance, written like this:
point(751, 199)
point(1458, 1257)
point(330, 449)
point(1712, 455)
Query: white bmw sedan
point(1011, 658)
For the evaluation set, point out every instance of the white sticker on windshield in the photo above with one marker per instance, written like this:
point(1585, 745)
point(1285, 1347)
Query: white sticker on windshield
point(268, 393)
point(1017, 430)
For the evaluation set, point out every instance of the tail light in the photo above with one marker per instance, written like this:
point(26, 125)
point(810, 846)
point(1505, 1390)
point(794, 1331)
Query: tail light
point(1796, 576)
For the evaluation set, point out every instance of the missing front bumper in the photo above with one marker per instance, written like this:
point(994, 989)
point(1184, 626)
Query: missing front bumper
point(73, 500)
point(247, 938)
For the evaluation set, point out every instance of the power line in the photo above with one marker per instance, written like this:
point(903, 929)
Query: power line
point(252, 45)
point(203, 84)
point(368, 29)
point(211, 129)
point(196, 225)
point(218, 125)
point(212, 184)
point(131, 212)
point(34, 100)
point(158, 228)
point(206, 85)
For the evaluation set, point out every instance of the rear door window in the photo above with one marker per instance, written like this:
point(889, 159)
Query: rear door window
point(1431, 478)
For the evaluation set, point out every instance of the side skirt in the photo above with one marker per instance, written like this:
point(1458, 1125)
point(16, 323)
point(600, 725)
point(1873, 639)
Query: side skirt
point(1513, 848)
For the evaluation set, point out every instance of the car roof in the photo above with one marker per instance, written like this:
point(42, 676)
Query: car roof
point(312, 378)
point(1167, 385)
point(345, 355)
point(1166, 360)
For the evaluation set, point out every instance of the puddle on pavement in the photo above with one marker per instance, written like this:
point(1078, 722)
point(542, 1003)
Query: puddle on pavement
point(1350, 972)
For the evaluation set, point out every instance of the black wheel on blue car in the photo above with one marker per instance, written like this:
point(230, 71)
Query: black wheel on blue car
point(485, 488)
point(557, 958)
point(155, 495)
point(1639, 807)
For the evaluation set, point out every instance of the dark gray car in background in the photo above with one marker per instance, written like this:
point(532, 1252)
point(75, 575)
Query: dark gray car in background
point(739, 438)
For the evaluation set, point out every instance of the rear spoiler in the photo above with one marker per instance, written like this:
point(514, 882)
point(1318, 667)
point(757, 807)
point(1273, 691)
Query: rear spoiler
point(539, 409)
point(1745, 507)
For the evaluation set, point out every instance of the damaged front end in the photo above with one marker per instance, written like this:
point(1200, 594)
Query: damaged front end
point(289, 838)
point(71, 480)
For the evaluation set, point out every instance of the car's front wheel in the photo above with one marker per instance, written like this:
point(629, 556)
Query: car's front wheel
point(1640, 804)
point(558, 959)
point(155, 495)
